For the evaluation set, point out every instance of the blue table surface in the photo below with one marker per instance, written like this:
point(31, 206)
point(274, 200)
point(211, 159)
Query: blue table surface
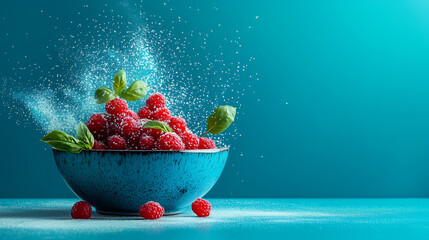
point(230, 219)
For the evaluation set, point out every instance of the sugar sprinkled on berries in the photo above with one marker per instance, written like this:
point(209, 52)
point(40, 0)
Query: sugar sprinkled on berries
point(144, 112)
point(116, 106)
point(161, 114)
point(117, 142)
point(146, 142)
point(99, 146)
point(206, 143)
point(170, 141)
point(190, 140)
point(178, 124)
point(97, 125)
point(155, 101)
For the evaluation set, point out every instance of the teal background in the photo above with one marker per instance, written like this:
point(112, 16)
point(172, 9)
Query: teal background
point(354, 74)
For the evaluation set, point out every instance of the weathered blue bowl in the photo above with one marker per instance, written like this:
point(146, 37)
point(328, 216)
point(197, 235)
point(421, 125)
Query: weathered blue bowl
point(119, 182)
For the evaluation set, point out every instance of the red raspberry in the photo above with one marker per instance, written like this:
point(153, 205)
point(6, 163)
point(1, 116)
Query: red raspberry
point(155, 101)
point(116, 106)
point(129, 127)
point(206, 143)
point(97, 125)
point(81, 210)
point(178, 124)
point(161, 114)
point(201, 207)
point(117, 119)
point(131, 130)
point(117, 142)
point(190, 140)
point(131, 114)
point(170, 141)
point(146, 142)
point(151, 210)
point(144, 112)
point(155, 133)
point(99, 146)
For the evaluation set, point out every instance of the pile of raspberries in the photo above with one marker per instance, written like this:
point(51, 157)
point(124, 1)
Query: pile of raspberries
point(122, 129)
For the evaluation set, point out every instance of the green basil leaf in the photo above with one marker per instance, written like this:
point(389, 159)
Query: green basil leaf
point(104, 95)
point(119, 82)
point(158, 125)
point(62, 141)
point(136, 91)
point(220, 119)
point(84, 135)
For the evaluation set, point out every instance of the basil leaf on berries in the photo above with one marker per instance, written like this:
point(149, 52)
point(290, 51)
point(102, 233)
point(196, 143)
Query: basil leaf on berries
point(220, 119)
point(62, 141)
point(119, 82)
point(158, 125)
point(85, 136)
point(104, 95)
point(136, 91)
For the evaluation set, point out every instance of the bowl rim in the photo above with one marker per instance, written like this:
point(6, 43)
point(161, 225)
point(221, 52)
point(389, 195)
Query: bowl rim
point(214, 150)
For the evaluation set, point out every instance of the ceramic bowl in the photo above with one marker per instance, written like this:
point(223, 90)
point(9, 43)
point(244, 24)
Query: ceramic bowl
point(119, 182)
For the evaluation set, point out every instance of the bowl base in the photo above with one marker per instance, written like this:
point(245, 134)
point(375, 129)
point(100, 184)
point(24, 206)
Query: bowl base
point(103, 212)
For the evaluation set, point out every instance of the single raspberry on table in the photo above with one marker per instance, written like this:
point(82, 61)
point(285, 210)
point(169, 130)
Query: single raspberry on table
point(151, 210)
point(155, 133)
point(98, 146)
point(170, 141)
point(206, 143)
point(144, 112)
point(117, 142)
point(116, 106)
point(81, 210)
point(201, 207)
point(161, 114)
point(190, 140)
point(178, 124)
point(97, 125)
point(146, 142)
point(155, 101)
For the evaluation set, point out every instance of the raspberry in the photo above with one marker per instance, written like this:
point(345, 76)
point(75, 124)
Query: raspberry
point(146, 142)
point(131, 130)
point(117, 142)
point(189, 131)
point(98, 146)
point(190, 140)
point(131, 114)
point(155, 133)
point(116, 106)
point(117, 119)
point(161, 114)
point(81, 210)
point(129, 127)
point(178, 124)
point(170, 141)
point(144, 112)
point(206, 143)
point(151, 210)
point(201, 207)
point(97, 125)
point(155, 101)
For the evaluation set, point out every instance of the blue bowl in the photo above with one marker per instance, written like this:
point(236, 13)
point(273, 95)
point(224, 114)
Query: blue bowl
point(119, 182)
